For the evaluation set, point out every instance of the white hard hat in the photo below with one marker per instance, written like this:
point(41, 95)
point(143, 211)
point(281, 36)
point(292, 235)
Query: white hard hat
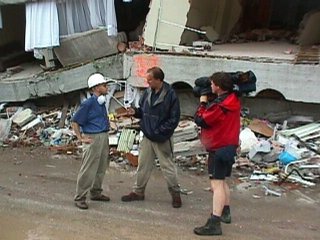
point(96, 79)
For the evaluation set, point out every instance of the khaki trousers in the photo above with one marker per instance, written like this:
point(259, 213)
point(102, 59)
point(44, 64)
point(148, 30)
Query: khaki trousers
point(148, 152)
point(95, 161)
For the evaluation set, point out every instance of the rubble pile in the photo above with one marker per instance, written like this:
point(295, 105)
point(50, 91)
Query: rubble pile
point(277, 158)
point(23, 126)
point(286, 154)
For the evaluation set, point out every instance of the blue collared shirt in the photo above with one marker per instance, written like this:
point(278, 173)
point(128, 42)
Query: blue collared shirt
point(92, 117)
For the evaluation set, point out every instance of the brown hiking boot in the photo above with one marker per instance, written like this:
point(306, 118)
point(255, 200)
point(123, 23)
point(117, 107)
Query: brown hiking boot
point(100, 197)
point(176, 199)
point(132, 197)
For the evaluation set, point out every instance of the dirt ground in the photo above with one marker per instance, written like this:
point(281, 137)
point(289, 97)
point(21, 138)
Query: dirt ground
point(36, 202)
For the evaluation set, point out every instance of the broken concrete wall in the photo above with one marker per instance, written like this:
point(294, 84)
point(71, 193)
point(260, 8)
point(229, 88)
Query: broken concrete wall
point(59, 82)
point(217, 18)
point(278, 110)
point(85, 47)
point(220, 20)
point(165, 23)
point(310, 30)
point(286, 78)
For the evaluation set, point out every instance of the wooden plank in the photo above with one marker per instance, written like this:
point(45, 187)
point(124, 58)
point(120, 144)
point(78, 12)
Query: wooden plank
point(64, 113)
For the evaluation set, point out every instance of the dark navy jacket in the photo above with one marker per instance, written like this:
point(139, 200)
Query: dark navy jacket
point(159, 121)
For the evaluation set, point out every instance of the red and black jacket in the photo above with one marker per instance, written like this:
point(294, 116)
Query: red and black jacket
point(219, 122)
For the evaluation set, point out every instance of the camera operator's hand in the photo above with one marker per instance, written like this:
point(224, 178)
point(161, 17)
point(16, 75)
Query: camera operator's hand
point(204, 99)
point(205, 91)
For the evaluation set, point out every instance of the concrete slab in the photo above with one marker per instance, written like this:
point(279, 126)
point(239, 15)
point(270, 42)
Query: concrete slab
point(272, 62)
point(275, 70)
point(165, 23)
point(85, 47)
point(24, 117)
point(34, 83)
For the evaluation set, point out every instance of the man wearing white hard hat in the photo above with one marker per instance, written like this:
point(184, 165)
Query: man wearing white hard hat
point(91, 125)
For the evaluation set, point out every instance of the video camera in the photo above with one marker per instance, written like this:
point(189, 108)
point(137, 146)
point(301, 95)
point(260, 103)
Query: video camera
point(202, 87)
point(245, 83)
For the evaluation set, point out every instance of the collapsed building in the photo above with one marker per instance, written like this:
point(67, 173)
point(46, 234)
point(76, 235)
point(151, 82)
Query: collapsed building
point(49, 47)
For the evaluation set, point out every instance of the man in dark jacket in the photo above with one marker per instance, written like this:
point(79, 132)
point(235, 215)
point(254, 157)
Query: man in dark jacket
point(159, 112)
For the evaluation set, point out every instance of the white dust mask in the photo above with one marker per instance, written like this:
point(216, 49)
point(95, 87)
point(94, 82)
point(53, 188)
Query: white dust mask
point(101, 99)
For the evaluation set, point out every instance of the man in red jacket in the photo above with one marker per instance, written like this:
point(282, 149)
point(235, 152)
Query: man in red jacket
point(220, 127)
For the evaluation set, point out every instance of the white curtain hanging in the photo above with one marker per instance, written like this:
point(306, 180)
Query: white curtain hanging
point(74, 17)
point(103, 14)
point(82, 15)
point(42, 25)
point(48, 20)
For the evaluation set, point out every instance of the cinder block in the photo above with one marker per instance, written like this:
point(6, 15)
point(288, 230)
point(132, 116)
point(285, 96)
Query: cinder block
point(24, 117)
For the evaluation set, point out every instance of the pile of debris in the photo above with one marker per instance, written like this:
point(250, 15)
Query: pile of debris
point(268, 153)
point(273, 154)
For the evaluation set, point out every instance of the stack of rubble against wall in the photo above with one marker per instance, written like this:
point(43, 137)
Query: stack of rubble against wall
point(287, 152)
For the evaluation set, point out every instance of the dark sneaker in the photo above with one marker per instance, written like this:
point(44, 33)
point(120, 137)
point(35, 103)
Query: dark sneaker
point(176, 200)
point(81, 204)
point(132, 197)
point(210, 228)
point(226, 217)
point(101, 198)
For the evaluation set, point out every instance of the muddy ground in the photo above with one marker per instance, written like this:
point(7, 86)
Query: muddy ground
point(36, 202)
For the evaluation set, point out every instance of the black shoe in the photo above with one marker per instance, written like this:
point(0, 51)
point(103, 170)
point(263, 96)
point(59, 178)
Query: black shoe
point(226, 216)
point(212, 227)
point(100, 197)
point(132, 197)
point(176, 200)
point(81, 204)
